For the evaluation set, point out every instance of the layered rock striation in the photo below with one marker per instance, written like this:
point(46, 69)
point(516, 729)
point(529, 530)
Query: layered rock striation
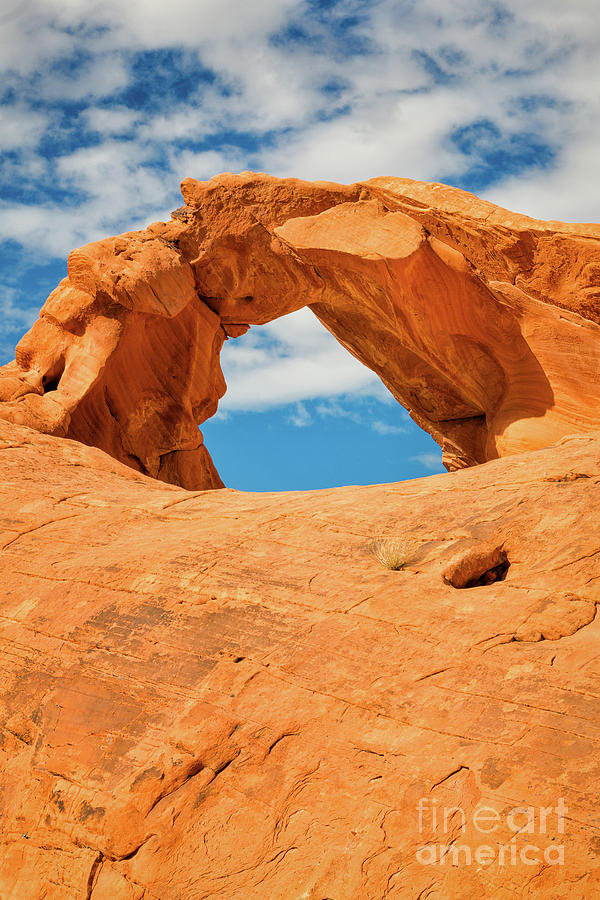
point(483, 323)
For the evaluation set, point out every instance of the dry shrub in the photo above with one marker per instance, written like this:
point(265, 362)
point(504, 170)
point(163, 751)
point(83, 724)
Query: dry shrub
point(392, 552)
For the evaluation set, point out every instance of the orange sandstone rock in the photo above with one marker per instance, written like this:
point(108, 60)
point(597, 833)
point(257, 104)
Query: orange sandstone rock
point(483, 323)
point(218, 694)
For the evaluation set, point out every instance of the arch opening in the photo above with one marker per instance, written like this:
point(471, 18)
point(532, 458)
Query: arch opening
point(301, 413)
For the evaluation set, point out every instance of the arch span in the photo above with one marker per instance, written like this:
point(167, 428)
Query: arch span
point(484, 324)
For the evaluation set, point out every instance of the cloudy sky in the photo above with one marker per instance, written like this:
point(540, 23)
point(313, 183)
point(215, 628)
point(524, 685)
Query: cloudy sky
point(106, 105)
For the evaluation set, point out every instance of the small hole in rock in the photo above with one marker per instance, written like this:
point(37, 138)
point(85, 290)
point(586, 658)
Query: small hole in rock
point(496, 573)
point(50, 384)
point(51, 378)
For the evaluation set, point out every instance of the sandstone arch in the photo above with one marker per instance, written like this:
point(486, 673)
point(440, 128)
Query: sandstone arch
point(484, 324)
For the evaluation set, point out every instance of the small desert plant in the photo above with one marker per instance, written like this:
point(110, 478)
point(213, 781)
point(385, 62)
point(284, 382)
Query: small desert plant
point(391, 552)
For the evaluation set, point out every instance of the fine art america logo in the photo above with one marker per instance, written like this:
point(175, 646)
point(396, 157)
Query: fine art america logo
point(532, 825)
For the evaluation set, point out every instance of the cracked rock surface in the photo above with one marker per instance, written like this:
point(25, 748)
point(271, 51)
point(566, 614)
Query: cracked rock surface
point(220, 694)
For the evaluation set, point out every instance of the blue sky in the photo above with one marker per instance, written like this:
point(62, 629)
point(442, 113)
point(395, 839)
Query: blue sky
point(105, 106)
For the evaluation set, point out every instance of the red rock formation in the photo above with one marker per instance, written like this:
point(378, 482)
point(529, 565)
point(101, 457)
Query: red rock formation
point(483, 323)
point(226, 695)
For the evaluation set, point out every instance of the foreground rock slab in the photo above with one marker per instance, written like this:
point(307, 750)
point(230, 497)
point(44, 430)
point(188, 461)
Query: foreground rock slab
point(220, 694)
point(483, 323)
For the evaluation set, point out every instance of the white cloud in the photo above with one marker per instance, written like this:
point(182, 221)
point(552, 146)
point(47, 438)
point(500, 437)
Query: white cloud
point(13, 312)
point(206, 23)
point(300, 417)
point(570, 192)
point(378, 137)
point(110, 121)
point(121, 188)
point(20, 126)
point(384, 428)
point(339, 410)
point(288, 361)
point(203, 165)
point(29, 39)
point(430, 461)
point(16, 316)
point(294, 360)
point(99, 77)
